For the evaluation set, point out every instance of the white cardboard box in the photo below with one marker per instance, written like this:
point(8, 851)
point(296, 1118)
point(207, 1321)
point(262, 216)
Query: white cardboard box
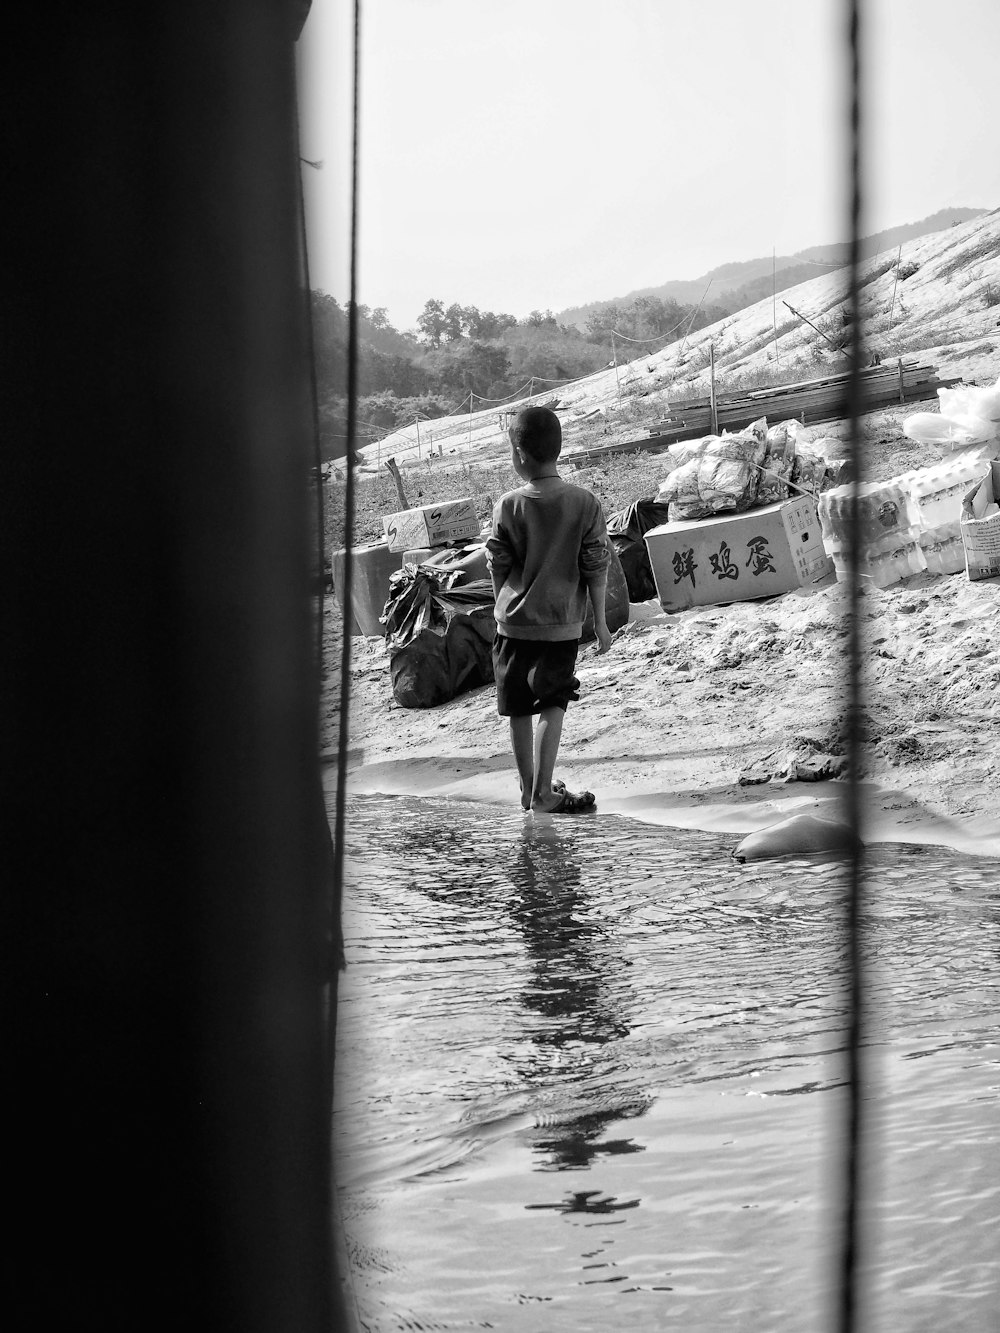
point(431, 525)
point(981, 531)
point(738, 557)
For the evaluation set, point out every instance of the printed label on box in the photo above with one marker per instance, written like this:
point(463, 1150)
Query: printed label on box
point(737, 557)
point(431, 525)
point(981, 536)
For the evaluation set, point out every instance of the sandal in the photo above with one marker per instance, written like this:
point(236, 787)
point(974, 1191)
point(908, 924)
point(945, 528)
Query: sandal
point(587, 797)
point(572, 803)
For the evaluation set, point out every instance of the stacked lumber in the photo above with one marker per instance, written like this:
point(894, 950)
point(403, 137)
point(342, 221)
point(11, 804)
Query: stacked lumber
point(808, 401)
point(823, 399)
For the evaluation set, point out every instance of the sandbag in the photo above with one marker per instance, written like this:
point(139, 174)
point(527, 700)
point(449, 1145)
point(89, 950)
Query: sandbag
point(439, 636)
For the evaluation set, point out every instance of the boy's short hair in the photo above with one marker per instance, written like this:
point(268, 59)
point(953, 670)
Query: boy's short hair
point(537, 430)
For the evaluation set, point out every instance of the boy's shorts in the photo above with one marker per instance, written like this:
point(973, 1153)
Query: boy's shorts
point(533, 674)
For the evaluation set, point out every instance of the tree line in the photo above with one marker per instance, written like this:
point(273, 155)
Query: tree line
point(457, 351)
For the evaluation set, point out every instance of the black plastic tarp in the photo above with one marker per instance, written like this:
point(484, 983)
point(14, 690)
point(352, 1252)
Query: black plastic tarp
point(626, 531)
point(439, 637)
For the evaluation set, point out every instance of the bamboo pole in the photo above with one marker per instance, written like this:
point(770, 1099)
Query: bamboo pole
point(713, 403)
point(799, 315)
point(774, 304)
point(895, 281)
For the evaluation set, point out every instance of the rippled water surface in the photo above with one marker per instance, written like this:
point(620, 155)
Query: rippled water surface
point(590, 1077)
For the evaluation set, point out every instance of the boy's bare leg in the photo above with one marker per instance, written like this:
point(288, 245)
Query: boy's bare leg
point(548, 734)
point(522, 743)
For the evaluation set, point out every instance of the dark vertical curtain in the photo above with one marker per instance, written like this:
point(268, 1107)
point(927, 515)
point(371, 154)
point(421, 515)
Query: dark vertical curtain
point(165, 856)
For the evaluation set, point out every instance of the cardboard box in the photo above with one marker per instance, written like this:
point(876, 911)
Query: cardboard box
point(431, 525)
point(981, 530)
point(373, 564)
point(738, 557)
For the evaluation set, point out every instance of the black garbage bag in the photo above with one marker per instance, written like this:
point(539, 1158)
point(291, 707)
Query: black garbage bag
point(626, 531)
point(439, 636)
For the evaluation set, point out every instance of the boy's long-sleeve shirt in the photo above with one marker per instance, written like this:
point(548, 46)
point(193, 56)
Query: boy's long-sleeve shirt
point(549, 539)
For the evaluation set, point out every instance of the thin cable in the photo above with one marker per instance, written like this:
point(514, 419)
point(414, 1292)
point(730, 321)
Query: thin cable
point(347, 601)
point(695, 316)
point(848, 1310)
point(655, 339)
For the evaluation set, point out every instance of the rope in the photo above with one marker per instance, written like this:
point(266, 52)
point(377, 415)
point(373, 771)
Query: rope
point(657, 337)
point(848, 1312)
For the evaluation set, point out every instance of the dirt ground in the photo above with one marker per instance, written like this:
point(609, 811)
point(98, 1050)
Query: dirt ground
point(730, 718)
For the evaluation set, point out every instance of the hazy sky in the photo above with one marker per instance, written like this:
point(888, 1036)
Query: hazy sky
point(537, 154)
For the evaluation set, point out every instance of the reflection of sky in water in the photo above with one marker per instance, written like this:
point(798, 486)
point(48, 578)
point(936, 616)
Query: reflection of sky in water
point(622, 1013)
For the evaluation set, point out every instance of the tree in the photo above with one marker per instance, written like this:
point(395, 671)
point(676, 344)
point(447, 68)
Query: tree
point(538, 319)
point(475, 367)
point(454, 318)
point(485, 325)
point(433, 322)
point(601, 322)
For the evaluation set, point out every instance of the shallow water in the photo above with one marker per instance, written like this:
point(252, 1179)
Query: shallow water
point(590, 1076)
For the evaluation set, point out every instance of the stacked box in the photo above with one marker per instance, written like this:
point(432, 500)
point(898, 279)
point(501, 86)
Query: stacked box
point(431, 525)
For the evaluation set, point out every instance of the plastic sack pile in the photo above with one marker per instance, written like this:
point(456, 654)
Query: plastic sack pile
point(753, 467)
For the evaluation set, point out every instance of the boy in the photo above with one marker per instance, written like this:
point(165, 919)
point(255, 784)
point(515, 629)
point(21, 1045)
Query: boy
point(547, 552)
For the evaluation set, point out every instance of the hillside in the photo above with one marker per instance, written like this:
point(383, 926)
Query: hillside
point(725, 282)
point(943, 302)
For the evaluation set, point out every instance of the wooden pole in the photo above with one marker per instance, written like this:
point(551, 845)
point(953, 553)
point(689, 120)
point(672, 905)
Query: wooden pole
point(899, 368)
point(393, 467)
point(713, 402)
point(614, 355)
point(416, 422)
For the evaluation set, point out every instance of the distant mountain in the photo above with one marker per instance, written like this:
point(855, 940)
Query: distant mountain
point(755, 275)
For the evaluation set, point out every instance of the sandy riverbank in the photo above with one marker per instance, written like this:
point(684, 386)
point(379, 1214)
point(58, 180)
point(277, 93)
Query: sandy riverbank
point(684, 705)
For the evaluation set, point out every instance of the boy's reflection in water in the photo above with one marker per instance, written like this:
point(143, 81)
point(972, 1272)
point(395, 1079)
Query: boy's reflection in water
point(577, 991)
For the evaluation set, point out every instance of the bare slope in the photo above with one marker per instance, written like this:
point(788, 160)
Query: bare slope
point(942, 302)
point(728, 278)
